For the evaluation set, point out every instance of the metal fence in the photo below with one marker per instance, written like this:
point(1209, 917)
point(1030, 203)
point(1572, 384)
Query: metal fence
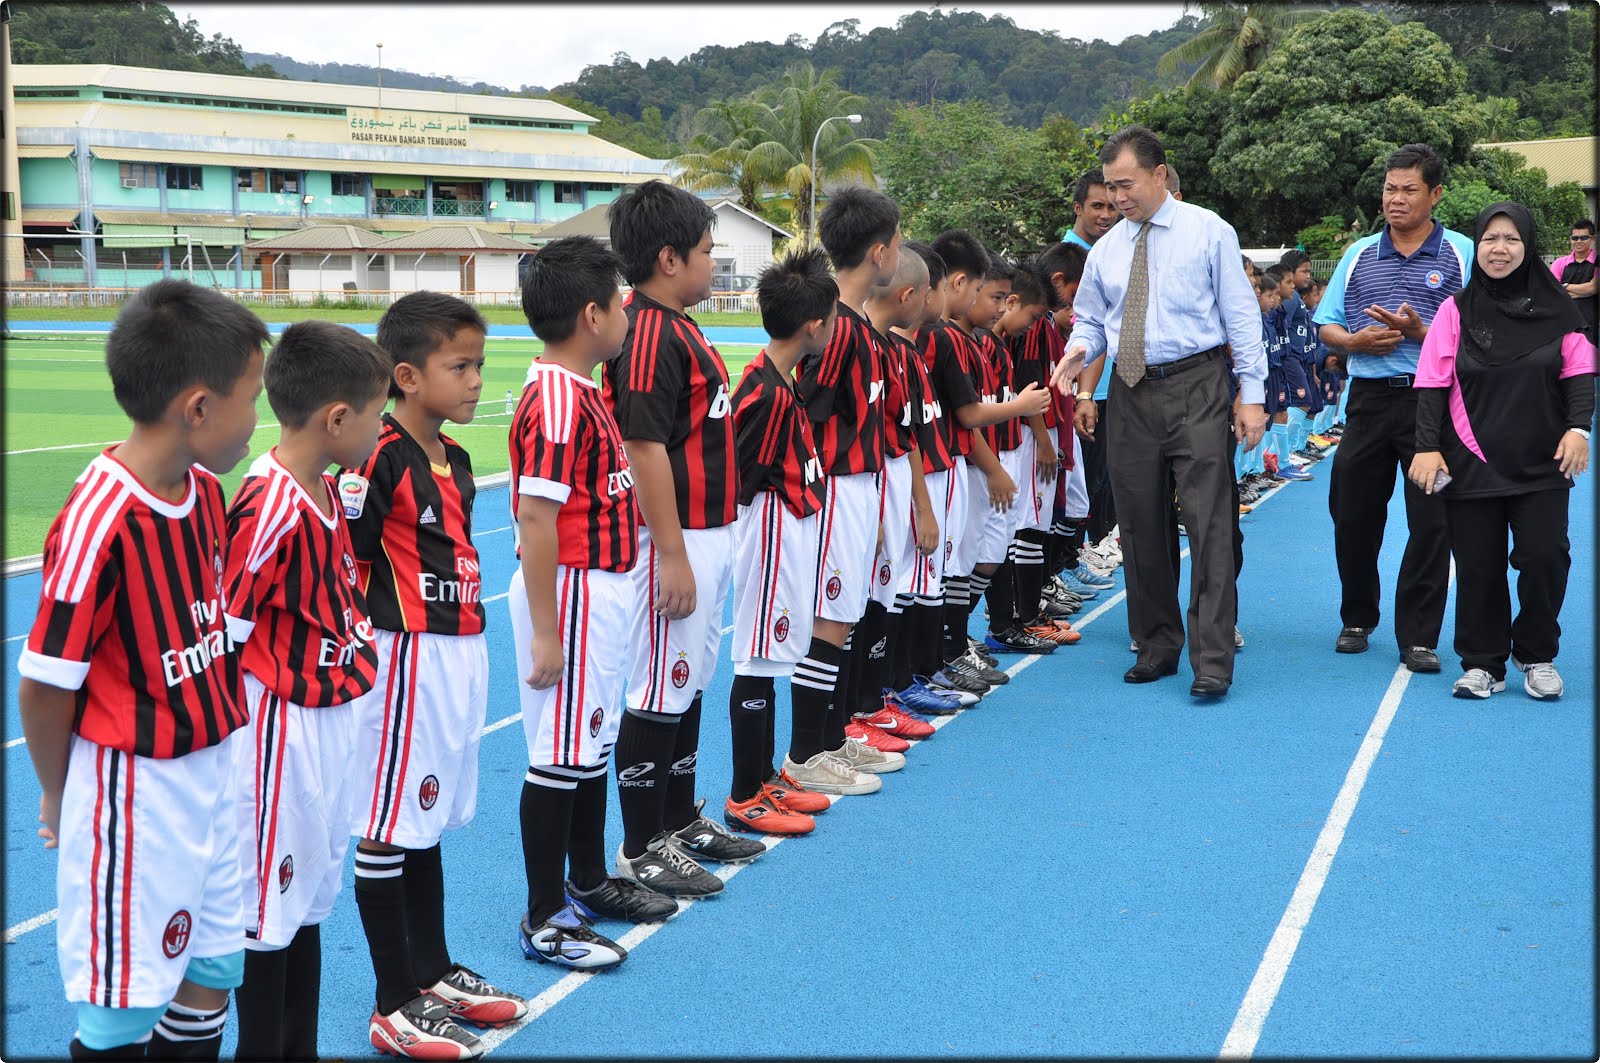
point(67, 298)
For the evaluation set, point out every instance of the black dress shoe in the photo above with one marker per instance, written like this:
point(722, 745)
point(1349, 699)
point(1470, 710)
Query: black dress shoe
point(1420, 659)
point(1209, 686)
point(1352, 640)
point(1149, 672)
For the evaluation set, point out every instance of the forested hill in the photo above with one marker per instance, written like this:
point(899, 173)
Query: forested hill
point(361, 74)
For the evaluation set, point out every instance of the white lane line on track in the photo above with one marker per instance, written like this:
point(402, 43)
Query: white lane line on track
point(31, 924)
point(572, 981)
point(1242, 1037)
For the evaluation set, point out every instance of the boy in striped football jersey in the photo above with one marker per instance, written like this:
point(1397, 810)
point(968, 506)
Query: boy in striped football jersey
point(669, 393)
point(409, 508)
point(571, 597)
point(775, 575)
point(130, 692)
point(294, 608)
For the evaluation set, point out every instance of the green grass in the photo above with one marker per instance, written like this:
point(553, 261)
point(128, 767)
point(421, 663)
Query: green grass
point(495, 315)
point(57, 395)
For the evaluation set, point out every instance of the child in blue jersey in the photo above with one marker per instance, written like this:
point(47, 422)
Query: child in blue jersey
point(1286, 381)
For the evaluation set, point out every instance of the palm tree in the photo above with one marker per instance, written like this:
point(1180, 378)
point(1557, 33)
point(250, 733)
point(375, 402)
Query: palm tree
point(1498, 115)
point(717, 159)
point(1237, 38)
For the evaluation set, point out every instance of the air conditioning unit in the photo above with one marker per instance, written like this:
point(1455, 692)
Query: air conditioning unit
point(129, 182)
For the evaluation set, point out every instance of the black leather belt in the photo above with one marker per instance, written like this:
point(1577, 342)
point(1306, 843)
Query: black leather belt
point(1405, 380)
point(1182, 365)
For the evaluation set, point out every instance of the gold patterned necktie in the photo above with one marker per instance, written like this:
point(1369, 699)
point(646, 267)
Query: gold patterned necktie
point(1130, 344)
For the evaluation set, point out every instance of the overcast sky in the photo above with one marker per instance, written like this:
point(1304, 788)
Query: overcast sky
point(548, 44)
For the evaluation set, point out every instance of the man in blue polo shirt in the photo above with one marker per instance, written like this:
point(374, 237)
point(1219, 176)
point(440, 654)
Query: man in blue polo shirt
point(1376, 312)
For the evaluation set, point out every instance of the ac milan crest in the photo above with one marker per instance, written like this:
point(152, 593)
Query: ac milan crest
point(350, 570)
point(176, 937)
point(885, 574)
point(596, 718)
point(834, 587)
point(680, 674)
point(285, 873)
point(780, 629)
point(428, 792)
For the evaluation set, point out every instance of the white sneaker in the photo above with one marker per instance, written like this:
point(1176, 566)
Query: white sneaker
point(862, 757)
point(827, 774)
point(1541, 681)
point(1477, 683)
point(1238, 639)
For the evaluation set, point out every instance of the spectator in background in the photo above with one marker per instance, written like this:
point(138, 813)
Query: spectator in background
point(1575, 271)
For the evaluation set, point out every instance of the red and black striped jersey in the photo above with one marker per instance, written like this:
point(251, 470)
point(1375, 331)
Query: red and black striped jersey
point(670, 386)
point(566, 447)
point(842, 389)
point(294, 600)
point(949, 356)
point(1033, 356)
point(996, 365)
point(131, 615)
point(931, 424)
point(410, 522)
point(776, 452)
point(1063, 401)
point(901, 410)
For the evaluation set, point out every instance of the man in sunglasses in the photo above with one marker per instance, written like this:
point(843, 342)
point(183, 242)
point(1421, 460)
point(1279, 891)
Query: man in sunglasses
point(1576, 272)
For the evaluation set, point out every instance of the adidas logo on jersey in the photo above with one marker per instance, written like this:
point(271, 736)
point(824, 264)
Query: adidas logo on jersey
point(427, 516)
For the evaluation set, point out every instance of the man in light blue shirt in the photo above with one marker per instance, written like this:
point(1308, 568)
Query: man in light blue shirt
point(1376, 311)
point(1163, 295)
point(1093, 215)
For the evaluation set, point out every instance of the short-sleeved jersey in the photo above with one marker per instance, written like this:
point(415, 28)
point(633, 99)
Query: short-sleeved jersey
point(1295, 320)
point(411, 525)
point(294, 600)
point(949, 357)
point(566, 447)
point(1272, 338)
point(1033, 356)
point(842, 389)
point(996, 362)
point(901, 408)
point(932, 426)
point(776, 451)
point(1372, 271)
point(670, 386)
point(130, 615)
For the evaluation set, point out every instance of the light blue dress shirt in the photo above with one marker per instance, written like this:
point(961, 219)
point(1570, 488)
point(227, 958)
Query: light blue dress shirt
point(1199, 296)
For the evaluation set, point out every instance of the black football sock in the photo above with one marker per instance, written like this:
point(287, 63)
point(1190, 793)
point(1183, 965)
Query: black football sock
point(770, 745)
point(872, 641)
point(586, 844)
point(424, 879)
point(1074, 543)
point(811, 691)
point(977, 588)
point(546, 822)
point(1030, 573)
point(679, 811)
point(900, 628)
point(186, 1032)
point(78, 1050)
point(644, 748)
point(259, 1000)
point(955, 618)
point(749, 705)
point(927, 636)
point(1001, 598)
point(1061, 547)
point(381, 900)
point(302, 994)
point(838, 712)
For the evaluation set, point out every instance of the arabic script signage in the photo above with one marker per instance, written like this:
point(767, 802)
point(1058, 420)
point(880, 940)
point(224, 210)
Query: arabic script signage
point(419, 128)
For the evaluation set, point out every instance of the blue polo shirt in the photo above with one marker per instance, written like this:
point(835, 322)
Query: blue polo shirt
point(1372, 272)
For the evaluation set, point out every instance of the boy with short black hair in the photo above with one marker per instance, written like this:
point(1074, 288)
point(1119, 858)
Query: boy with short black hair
point(781, 494)
point(1295, 390)
point(669, 393)
point(128, 630)
point(295, 608)
point(409, 508)
point(842, 389)
point(572, 593)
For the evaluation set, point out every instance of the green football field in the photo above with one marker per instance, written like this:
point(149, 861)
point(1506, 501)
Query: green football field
point(60, 412)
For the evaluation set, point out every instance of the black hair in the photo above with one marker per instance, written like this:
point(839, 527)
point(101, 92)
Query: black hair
point(652, 216)
point(962, 253)
point(853, 221)
point(317, 362)
point(1318, 284)
point(1249, 264)
point(1274, 274)
point(418, 324)
point(797, 288)
point(1293, 260)
point(1584, 223)
point(1417, 157)
point(1080, 192)
point(563, 279)
point(1265, 283)
point(1174, 185)
point(1146, 146)
point(1032, 286)
point(172, 335)
point(1000, 268)
point(937, 270)
point(1063, 258)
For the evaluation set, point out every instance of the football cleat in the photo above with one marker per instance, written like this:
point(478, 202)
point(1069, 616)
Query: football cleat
point(883, 743)
point(565, 939)
point(423, 1029)
point(764, 814)
point(471, 999)
point(705, 840)
point(621, 898)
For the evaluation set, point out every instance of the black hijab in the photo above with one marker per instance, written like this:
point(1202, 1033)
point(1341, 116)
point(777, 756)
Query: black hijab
point(1502, 320)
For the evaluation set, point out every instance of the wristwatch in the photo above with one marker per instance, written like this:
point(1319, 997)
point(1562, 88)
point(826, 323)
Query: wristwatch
point(1584, 432)
point(1082, 395)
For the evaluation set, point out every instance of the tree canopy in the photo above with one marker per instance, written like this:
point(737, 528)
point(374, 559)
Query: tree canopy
point(125, 33)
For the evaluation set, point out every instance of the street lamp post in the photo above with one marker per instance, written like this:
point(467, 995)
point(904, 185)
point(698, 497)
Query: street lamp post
point(380, 75)
point(853, 119)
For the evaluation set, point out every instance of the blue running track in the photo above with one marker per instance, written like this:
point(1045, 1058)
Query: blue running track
point(1337, 859)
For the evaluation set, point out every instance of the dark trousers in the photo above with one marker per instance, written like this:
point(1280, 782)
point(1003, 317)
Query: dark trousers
point(1486, 634)
point(1379, 438)
point(1161, 432)
point(1097, 478)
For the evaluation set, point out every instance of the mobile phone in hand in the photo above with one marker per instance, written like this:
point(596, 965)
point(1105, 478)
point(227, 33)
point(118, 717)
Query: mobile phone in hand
point(1441, 480)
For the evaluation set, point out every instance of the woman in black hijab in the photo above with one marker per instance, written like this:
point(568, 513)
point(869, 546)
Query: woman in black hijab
point(1506, 383)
